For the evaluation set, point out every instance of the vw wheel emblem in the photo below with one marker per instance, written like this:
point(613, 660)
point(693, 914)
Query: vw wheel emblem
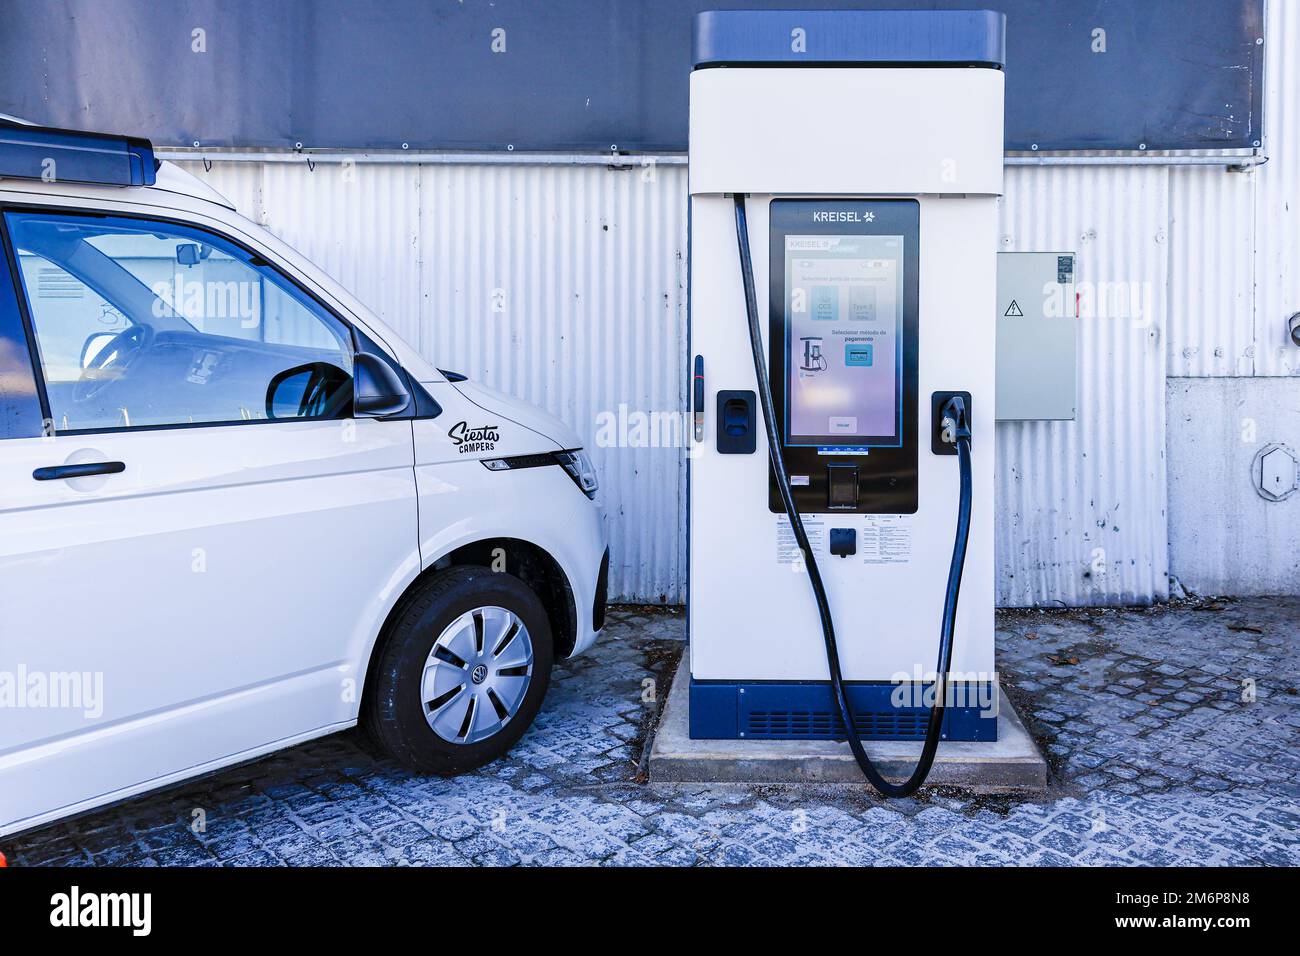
point(479, 674)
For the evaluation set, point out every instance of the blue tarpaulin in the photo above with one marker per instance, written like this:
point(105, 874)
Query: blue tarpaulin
point(577, 74)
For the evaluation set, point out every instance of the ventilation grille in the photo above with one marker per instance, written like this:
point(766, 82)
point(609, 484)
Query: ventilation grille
point(824, 724)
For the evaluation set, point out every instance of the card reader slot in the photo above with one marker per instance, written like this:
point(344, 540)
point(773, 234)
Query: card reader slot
point(841, 487)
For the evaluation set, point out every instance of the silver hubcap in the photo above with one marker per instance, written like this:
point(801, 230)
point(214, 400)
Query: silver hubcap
point(477, 674)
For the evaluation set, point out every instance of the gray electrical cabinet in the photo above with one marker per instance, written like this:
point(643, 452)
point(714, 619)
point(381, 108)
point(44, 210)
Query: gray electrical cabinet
point(1037, 323)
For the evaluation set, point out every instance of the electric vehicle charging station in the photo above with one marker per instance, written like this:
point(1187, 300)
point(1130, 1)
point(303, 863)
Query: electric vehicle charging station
point(843, 180)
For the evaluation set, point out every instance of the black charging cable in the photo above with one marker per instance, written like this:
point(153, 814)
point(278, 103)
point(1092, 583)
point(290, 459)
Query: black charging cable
point(954, 410)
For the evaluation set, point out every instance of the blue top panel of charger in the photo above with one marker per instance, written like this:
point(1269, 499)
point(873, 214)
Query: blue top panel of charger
point(846, 37)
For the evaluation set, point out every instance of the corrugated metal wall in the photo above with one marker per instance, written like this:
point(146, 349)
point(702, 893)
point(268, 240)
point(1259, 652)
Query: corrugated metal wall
point(1211, 288)
point(565, 285)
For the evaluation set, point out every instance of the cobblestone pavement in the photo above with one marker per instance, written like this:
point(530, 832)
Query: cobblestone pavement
point(1171, 734)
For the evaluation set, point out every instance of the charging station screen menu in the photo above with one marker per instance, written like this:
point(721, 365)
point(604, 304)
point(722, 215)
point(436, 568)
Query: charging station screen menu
point(843, 328)
point(843, 339)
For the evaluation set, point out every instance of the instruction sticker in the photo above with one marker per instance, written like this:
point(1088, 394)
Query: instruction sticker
point(887, 539)
point(787, 549)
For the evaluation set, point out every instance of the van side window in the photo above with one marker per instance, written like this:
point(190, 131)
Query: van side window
point(20, 406)
point(144, 323)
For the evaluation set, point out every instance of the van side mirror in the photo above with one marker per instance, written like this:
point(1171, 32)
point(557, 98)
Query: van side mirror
point(314, 390)
point(378, 391)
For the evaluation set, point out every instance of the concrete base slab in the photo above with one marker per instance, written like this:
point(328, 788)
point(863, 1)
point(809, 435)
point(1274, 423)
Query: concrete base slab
point(1013, 763)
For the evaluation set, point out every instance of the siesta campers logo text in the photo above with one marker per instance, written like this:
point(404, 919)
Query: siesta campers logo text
point(470, 440)
point(130, 910)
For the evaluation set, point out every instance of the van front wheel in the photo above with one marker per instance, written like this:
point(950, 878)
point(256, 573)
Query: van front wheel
point(463, 671)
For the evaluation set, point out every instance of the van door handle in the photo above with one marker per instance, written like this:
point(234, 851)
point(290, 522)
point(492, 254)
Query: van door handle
point(79, 471)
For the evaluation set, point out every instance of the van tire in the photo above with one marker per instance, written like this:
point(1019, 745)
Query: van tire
point(394, 712)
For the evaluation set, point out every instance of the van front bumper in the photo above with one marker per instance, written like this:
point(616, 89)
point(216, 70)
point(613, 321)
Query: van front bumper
point(591, 588)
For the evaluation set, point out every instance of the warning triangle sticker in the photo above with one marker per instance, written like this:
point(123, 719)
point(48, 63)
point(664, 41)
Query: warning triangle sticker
point(1013, 309)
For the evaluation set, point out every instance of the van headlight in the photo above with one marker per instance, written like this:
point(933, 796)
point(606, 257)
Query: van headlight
point(578, 464)
point(575, 462)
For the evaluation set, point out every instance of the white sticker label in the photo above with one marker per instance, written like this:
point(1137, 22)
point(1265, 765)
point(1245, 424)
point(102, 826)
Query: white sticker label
point(887, 539)
point(787, 549)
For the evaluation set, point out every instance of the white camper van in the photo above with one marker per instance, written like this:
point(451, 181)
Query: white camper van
point(238, 512)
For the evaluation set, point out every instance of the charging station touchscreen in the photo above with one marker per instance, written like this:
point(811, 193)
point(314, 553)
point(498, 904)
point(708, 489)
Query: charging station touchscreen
point(843, 341)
